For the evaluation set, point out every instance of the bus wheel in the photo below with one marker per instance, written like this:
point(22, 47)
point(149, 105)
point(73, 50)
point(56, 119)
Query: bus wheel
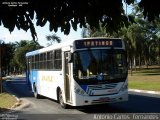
point(61, 101)
point(36, 95)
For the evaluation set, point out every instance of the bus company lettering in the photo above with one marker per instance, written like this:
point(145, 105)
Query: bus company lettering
point(47, 78)
point(97, 43)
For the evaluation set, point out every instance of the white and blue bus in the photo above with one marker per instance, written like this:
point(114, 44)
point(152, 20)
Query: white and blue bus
point(82, 72)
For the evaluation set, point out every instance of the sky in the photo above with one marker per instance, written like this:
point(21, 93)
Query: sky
point(18, 35)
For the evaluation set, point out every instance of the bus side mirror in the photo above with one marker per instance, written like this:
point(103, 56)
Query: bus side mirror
point(70, 58)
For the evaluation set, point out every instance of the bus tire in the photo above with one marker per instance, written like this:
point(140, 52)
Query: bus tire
point(36, 95)
point(60, 99)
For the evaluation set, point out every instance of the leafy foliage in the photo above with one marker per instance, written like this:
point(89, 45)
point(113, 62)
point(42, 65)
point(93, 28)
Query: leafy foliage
point(13, 55)
point(141, 39)
point(53, 38)
point(150, 9)
point(69, 13)
point(19, 56)
point(6, 54)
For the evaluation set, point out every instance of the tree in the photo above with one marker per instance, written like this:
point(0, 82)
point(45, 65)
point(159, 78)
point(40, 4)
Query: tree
point(53, 38)
point(94, 32)
point(141, 40)
point(66, 13)
point(21, 43)
point(2, 46)
point(6, 55)
point(19, 54)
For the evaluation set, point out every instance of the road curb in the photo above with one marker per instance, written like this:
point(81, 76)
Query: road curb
point(18, 103)
point(18, 107)
point(145, 91)
point(24, 104)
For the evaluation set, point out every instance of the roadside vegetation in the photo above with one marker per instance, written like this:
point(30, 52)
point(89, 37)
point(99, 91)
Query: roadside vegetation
point(13, 54)
point(6, 101)
point(145, 79)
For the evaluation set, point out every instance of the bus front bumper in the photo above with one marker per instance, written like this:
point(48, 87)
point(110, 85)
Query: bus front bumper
point(81, 100)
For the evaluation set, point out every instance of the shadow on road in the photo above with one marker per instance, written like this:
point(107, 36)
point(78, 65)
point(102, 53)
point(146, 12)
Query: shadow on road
point(136, 104)
point(19, 88)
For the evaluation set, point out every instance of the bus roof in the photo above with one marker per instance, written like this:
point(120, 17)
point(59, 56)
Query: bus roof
point(63, 44)
point(49, 48)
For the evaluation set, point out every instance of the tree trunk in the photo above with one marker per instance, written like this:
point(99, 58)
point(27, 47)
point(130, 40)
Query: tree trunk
point(135, 63)
point(131, 67)
point(146, 62)
point(139, 62)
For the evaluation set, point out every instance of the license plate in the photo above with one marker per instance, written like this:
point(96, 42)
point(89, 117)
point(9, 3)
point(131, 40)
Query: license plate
point(105, 99)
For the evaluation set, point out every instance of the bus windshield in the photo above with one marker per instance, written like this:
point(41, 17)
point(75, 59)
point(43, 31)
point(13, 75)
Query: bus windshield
point(100, 65)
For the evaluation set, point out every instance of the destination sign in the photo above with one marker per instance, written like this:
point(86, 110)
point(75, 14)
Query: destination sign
point(91, 43)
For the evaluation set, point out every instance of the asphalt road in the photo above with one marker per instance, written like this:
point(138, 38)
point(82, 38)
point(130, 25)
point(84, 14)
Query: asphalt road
point(138, 103)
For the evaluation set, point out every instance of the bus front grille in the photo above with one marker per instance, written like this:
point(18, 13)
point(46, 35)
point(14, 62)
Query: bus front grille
point(103, 89)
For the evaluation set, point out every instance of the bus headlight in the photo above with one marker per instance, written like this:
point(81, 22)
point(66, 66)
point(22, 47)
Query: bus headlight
point(79, 91)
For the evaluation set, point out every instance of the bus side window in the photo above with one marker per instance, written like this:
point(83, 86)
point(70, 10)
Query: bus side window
point(58, 59)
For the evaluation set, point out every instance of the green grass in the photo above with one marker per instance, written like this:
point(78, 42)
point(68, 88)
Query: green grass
point(6, 101)
point(145, 79)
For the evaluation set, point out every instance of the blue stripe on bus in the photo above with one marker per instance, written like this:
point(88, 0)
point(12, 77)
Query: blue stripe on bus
point(84, 87)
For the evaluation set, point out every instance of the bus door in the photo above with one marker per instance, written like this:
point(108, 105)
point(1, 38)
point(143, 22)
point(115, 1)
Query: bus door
point(67, 76)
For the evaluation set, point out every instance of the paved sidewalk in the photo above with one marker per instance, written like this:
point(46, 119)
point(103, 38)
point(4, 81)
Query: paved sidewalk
point(145, 91)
